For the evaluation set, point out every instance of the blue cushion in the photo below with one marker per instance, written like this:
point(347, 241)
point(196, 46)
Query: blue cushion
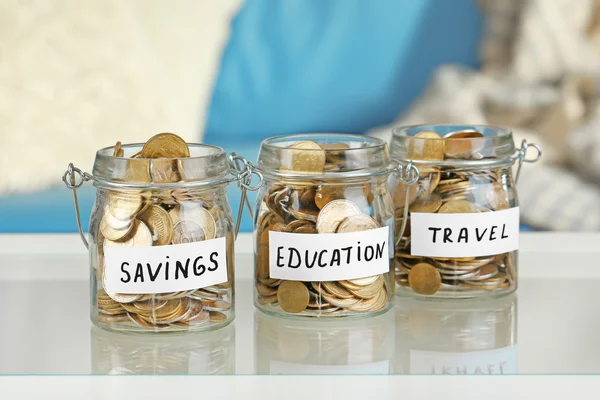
point(330, 65)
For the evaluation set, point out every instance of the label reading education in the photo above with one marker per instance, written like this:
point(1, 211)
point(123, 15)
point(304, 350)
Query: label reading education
point(164, 269)
point(330, 256)
point(464, 235)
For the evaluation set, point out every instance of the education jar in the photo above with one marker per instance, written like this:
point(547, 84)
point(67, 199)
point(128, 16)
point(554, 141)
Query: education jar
point(324, 224)
point(457, 229)
point(161, 235)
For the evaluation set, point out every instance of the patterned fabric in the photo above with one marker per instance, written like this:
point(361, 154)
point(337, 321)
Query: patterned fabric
point(538, 77)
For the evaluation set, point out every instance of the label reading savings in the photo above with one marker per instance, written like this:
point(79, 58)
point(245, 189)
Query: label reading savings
point(164, 269)
point(328, 257)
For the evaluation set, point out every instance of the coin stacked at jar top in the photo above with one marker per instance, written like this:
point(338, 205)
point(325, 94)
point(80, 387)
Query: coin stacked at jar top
point(319, 206)
point(160, 218)
point(451, 189)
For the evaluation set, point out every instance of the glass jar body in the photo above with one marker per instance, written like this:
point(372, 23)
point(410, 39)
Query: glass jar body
point(295, 206)
point(446, 190)
point(142, 221)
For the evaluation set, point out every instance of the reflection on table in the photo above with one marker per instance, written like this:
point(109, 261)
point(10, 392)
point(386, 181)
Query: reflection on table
point(456, 337)
point(287, 346)
point(189, 353)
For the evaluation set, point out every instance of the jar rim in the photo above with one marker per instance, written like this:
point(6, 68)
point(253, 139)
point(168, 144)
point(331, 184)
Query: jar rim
point(495, 147)
point(488, 131)
point(365, 156)
point(106, 151)
point(373, 142)
point(207, 165)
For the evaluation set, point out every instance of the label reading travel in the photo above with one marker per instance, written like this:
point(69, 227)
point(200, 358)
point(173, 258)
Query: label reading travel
point(464, 235)
point(329, 256)
point(163, 269)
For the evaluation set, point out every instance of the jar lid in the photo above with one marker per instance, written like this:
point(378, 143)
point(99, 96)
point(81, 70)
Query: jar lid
point(458, 145)
point(207, 164)
point(324, 155)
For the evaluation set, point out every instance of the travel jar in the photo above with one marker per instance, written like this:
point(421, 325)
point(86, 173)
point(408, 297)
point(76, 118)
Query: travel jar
point(457, 228)
point(323, 226)
point(161, 235)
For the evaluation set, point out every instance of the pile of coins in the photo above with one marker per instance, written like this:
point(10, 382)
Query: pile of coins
point(318, 207)
point(160, 218)
point(452, 190)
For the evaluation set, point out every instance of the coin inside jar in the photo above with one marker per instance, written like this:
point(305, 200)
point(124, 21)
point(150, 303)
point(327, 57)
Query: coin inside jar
point(293, 296)
point(165, 145)
point(160, 224)
point(430, 146)
point(357, 223)
point(308, 157)
point(334, 213)
point(424, 279)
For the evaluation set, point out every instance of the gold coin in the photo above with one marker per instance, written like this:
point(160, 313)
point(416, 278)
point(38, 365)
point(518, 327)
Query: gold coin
point(429, 204)
point(429, 146)
point(424, 279)
point(118, 152)
point(138, 171)
point(167, 145)
point(497, 197)
point(113, 234)
point(368, 292)
point(309, 157)
point(399, 194)
point(293, 296)
point(198, 215)
point(124, 206)
point(459, 145)
point(337, 290)
point(334, 213)
point(187, 231)
point(458, 207)
point(262, 261)
point(216, 316)
point(339, 302)
point(140, 236)
point(160, 224)
point(164, 170)
point(357, 223)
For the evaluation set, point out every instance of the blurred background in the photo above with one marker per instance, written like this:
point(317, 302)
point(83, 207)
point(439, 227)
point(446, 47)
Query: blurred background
point(76, 76)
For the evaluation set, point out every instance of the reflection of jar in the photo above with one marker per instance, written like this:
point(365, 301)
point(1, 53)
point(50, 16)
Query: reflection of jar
point(161, 239)
point(288, 346)
point(469, 337)
point(458, 228)
point(115, 353)
point(324, 226)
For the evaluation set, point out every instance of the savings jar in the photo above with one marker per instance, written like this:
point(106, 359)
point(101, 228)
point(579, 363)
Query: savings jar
point(457, 229)
point(161, 235)
point(323, 226)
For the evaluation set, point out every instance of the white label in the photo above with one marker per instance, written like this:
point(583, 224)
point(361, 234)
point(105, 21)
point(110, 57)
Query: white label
point(489, 362)
point(163, 269)
point(464, 235)
point(284, 368)
point(329, 256)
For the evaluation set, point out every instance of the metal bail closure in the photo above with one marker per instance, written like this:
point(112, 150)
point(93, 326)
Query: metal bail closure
point(74, 178)
point(243, 171)
point(522, 155)
point(408, 175)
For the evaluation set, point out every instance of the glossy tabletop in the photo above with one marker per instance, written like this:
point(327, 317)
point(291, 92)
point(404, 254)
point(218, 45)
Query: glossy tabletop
point(551, 325)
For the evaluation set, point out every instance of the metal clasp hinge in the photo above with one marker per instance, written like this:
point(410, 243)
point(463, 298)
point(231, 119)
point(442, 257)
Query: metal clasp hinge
point(74, 178)
point(408, 175)
point(522, 156)
point(243, 170)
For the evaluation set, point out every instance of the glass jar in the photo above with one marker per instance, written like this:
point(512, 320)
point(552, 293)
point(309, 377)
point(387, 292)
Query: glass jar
point(324, 347)
point(469, 337)
point(457, 229)
point(161, 239)
point(323, 226)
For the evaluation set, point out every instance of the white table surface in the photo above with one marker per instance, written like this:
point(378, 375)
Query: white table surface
point(551, 326)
